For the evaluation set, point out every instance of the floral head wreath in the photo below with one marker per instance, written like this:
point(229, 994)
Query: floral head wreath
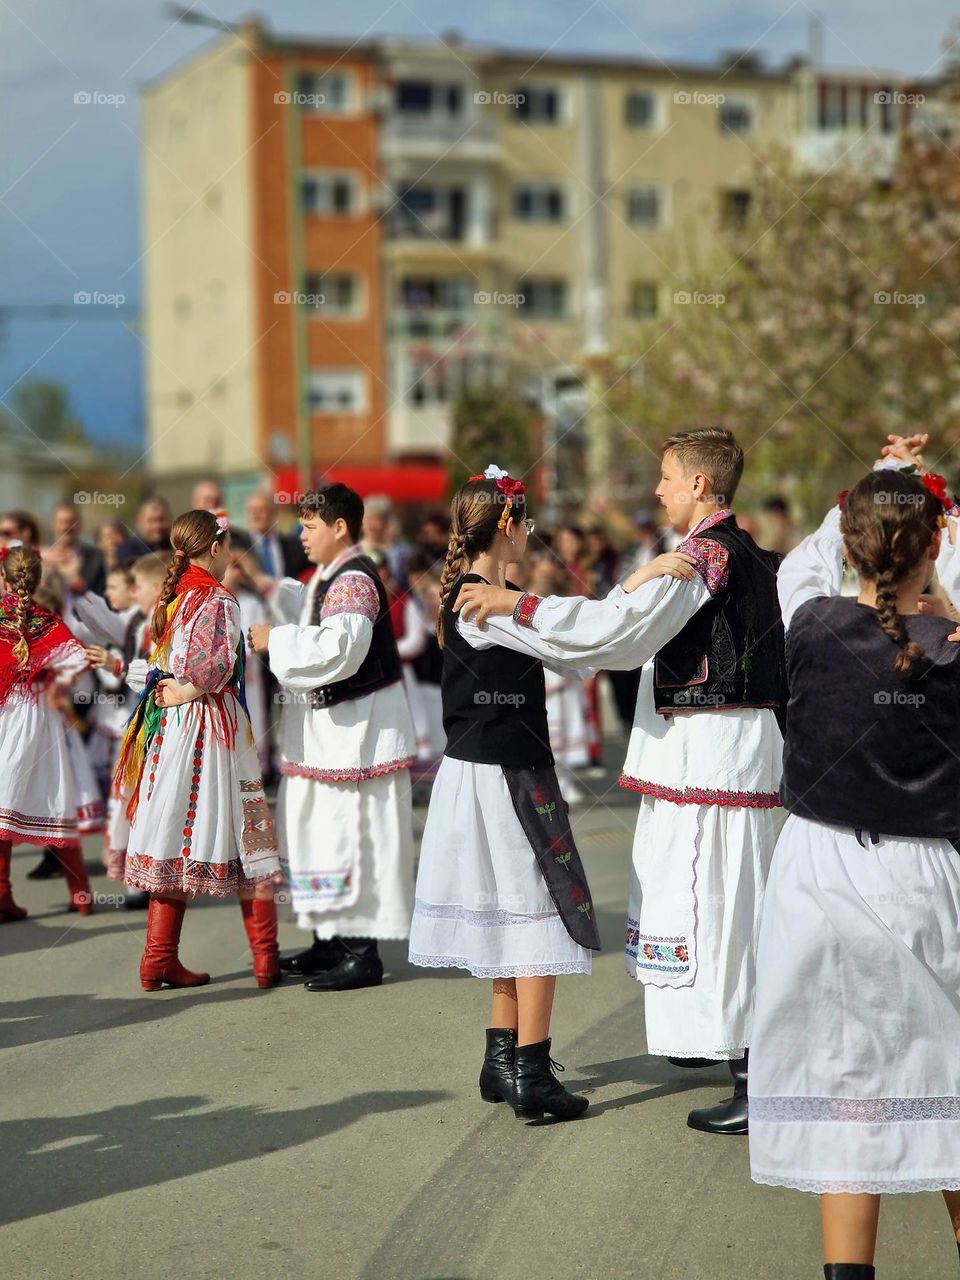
point(931, 481)
point(223, 520)
point(512, 490)
point(5, 551)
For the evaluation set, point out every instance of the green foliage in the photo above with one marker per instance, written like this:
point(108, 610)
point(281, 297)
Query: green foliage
point(490, 425)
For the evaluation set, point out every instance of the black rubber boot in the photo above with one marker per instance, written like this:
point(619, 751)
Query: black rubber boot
point(321, 955)
point(848, 1271)
point(359, 966)
point(49, 866)
point(538, 1090)
point(729, 1117)
point(499, 1072)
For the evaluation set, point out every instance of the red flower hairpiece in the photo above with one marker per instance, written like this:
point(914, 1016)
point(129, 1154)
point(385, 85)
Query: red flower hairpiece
point(938, 487)
point(510, 488)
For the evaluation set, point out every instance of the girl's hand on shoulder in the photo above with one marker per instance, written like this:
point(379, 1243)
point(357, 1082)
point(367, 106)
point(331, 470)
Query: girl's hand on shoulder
point(671, 564)
point(478, 601)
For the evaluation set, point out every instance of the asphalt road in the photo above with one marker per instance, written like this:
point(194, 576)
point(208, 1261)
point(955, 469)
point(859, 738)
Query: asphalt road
point(229, 1132)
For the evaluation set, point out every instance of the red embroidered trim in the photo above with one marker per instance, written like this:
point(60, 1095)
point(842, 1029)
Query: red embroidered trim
point(703, 795)
point(163, 875)
point(26, 828)
point(526, 609)
point(346, 775)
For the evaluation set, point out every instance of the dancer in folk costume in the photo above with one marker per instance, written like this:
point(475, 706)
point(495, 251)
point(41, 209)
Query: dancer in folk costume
point(855, 1074)
point(47, 792)
point(347, 743)
point(501, 891)
point(704, 756)
point(192, 816)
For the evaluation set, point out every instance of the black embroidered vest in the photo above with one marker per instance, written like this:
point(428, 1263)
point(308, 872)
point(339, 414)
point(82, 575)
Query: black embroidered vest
point(381, 666)
point(864, 747)
point(494, 700)
point(730, 653)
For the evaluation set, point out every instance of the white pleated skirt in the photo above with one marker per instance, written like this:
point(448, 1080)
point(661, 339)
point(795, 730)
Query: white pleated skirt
point(482, 903)
point(855, 1060)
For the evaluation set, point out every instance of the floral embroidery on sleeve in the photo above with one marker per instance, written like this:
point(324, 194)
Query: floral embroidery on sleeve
point(713, 561)
point(352, 593)
point(206, 654)
point(526, 610)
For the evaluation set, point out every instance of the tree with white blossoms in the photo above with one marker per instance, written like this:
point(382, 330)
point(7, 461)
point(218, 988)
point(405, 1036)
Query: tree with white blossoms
point(834, 320)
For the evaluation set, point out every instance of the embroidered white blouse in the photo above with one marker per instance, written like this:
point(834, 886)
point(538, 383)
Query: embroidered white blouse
point(354, 740)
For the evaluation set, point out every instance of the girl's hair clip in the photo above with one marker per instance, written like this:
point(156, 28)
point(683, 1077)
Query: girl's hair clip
point(5, 551)
point(223, 520)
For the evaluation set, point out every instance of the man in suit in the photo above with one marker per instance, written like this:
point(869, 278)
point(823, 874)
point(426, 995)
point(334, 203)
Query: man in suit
point(277, 555)
point(68, 552)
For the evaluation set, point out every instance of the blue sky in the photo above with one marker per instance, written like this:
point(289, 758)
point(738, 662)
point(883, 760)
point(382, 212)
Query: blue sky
point(69, 175)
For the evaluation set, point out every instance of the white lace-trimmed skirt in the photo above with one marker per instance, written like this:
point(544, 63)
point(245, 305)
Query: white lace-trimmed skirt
point(482, 904)
point(855, 1058)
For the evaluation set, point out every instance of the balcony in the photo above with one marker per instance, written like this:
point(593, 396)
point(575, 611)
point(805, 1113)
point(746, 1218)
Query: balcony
point(816, 150)
point(409, 136)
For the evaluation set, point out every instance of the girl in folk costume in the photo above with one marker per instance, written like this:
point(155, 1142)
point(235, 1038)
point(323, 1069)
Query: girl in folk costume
point(855, 1075)
point(192, 816)
point(347, 745)
point(43, 798)
point(501, 891)
point(704, 755)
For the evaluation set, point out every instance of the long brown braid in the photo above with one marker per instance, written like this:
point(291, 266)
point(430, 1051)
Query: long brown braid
point(475, 516)
point(192, 536)
point(21, 570)
point(887, 524)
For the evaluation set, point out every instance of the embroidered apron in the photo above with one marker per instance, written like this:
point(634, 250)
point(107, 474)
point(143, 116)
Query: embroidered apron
point(545, 819)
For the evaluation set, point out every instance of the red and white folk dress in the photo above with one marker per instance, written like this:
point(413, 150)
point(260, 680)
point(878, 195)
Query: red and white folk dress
point(192, 815)
point(48, 795)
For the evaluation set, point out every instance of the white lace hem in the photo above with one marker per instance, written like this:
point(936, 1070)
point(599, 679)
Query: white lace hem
point(549, 970)
point(834, 1187)
point(490, 919)
point(721, 1055)
point(826, 1110)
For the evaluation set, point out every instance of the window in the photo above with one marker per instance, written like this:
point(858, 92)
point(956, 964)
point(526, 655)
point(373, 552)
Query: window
point(736, 116)
point(539, 202)
point(423, 98)
point(645, 207)
point(328, 92)
point(339, 291)
point(425, 293)
point(734, 207)
point(543, 298)
point(329, 193)
point(641, 109)
point(430, 212)
point(644, 300)
point(538, 106)
point(337, 391)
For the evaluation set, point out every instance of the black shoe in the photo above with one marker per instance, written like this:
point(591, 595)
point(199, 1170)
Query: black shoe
point(136, 900)
point(693, 1062)
point(321, 955)
point(848, 1271)
point(49, 866)
point(538, 1090)
point(360, 966)
point(498, 1073)
point(729, 1117)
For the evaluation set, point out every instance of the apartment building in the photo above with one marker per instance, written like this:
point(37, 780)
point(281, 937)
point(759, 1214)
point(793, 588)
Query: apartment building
point(340, 238)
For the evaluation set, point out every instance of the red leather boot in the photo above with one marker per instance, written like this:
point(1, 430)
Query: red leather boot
point(160, 965)
point(81, 898)
point(9, 911)
point(260, 922)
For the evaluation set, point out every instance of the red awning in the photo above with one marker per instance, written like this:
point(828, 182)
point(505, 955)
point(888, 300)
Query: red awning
point(403, 483)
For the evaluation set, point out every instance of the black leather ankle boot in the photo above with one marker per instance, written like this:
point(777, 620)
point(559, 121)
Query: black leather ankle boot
point(848, 1271)
point(359, 966)
point(729, 1117)
point(321, 955)
point(498, 1073)
point(538, 1090)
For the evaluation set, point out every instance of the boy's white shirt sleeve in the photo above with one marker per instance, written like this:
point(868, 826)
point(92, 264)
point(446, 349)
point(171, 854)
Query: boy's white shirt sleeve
point(286, 600)
point(304, 657)
point(619, 633)
point(948, 561)
point(813, 568)
point(100, 621)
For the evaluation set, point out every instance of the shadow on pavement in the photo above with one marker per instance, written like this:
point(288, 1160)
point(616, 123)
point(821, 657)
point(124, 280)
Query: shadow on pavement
point(52, 1163)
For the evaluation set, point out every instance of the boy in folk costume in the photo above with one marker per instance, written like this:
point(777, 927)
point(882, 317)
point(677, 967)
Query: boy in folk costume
point(192, 816)
point(704, 756)
point(347, 743)
point(44, 799)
